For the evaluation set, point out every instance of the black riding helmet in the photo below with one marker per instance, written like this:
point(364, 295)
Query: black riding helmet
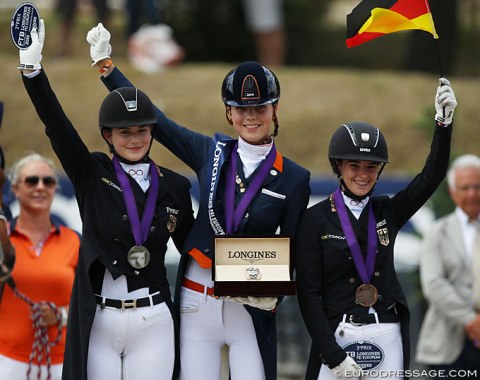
point(126, 107)
point(357, 141)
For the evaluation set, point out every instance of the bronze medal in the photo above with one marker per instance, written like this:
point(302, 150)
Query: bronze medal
point(366, 295)
point(138, 256)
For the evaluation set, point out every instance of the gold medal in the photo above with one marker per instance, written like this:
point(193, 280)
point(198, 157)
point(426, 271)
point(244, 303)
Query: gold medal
point(138, 256)
point(366, 295)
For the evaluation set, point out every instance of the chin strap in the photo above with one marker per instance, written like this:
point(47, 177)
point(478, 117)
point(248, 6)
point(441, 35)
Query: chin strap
point(349, 194)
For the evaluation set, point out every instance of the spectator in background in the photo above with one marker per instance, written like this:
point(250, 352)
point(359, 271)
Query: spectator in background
point(450, 275)
point(67, 10)
point(7, 252)
point(34, 312)
point(265, 20)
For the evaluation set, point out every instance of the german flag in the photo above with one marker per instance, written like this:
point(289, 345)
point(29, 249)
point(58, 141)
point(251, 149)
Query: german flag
point(374, 18)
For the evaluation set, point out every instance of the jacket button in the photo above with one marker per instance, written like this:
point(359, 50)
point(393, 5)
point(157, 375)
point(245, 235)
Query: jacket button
point(377, 274)
point(116, 240)
point(125, 217)
point(114, 262)
point(351, 280)
point(136, 272)
point(246, 215)
point(152, 228)
point(206, 250)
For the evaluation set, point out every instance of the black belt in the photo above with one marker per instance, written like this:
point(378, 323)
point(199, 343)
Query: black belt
point(129, 304)
point(370, 318)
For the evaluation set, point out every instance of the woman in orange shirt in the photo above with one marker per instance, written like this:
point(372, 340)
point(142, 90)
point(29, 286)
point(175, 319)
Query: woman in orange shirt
point(33, 314)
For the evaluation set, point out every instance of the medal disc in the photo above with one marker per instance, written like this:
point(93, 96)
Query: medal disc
point(24, 19)
point(366, 295)
point(138, 257)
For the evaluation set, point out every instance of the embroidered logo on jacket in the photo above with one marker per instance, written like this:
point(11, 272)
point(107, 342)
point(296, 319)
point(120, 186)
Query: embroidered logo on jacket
point(110, 183)
point(172, 219)
point(383, 236)
point(329, 236)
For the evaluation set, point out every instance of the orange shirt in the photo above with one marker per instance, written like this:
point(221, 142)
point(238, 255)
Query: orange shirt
point(47, 277)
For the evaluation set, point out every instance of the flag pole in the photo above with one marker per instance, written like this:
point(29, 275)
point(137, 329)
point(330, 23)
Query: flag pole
point(435, 37)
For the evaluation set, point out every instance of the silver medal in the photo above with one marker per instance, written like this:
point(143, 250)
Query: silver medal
point(138, 256)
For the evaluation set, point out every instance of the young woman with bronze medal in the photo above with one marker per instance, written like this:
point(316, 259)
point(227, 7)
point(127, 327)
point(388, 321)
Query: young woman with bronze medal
point(349, 295)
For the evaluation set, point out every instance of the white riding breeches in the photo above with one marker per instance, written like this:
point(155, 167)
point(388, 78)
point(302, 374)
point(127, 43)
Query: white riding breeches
point(132, 344)
point(209, 323)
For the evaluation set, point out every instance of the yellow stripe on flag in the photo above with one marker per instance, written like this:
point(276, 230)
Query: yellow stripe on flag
point(387, 21)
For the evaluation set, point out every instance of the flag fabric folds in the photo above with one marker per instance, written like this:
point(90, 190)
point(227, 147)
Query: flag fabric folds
point(374, 18)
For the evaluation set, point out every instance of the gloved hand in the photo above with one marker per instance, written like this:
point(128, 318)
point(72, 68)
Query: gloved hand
point(99, 39)
point(347, 368)
point(31, 57)
point(445, 102)
point(264, 303)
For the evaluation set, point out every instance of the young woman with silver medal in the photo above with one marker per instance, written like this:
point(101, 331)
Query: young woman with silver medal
point(247, 188)
point(122, 322)
point(349, 295)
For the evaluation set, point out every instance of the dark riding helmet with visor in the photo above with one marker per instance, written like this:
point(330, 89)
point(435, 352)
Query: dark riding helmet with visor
point(250, 84)
point(357, 141)
point(126, 107)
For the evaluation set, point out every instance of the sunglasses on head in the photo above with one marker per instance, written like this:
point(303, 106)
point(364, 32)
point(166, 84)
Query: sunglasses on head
point(32, 180)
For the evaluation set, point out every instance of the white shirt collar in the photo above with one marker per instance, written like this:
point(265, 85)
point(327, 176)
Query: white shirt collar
point(139, 172)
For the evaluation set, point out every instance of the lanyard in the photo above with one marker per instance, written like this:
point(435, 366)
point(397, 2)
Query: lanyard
point(234, 215)
point(364, 267)
point(139, 229)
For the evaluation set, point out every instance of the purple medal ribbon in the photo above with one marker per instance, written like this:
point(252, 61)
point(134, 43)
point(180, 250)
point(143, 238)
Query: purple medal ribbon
point(234, 215)
point(364, 267)
point(139, 229)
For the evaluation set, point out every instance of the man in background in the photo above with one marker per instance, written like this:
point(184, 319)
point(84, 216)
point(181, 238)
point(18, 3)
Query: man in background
point(450, 275)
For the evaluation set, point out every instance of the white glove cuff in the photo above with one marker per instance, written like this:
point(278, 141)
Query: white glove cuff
point(26, 66)
point(98, 59)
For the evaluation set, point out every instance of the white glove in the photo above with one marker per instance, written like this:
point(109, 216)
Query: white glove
point(445, 102)
point(99, 39)
point(347, 368)
point(264, 303)
point(31, 57)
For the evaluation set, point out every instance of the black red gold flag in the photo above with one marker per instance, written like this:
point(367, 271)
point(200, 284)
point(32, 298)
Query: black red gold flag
point(374, 18)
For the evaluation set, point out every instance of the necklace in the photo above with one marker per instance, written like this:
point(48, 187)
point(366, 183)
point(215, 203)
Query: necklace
point(38, 247)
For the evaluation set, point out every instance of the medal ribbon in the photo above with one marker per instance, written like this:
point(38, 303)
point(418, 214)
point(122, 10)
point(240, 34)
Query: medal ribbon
point(234, 215)
point(364, 267)
point(139, 229)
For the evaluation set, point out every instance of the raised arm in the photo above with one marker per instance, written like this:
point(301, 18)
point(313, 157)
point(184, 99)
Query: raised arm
point(189, 146)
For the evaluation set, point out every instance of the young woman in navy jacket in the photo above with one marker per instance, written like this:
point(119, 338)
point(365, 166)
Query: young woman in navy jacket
point(226, 167)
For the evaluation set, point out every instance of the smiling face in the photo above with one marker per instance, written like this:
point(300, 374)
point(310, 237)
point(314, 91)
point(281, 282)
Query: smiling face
point(359, 176)
point(252, 123)
point(35, 187)
point(131, 143)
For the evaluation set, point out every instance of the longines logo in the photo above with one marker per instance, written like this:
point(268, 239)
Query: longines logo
point(252, 256)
